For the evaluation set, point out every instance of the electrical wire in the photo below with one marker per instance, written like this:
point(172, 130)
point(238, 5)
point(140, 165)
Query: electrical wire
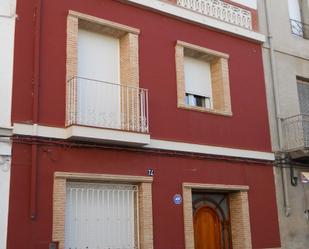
point(73, 144)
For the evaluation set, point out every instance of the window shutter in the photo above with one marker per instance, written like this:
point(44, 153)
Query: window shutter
point(98, 56)
point(197, 77)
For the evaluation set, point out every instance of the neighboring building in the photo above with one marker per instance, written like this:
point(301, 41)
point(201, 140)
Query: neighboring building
point(7, 28)
point(286, 65)
point(140, 124)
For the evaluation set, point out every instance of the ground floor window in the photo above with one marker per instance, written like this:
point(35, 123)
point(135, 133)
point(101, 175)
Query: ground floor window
point(101, 216)
point(101, 211)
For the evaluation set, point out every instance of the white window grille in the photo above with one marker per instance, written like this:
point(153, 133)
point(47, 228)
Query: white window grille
point(101, 216)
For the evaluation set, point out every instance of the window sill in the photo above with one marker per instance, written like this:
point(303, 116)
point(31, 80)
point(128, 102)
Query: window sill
point(206, 110)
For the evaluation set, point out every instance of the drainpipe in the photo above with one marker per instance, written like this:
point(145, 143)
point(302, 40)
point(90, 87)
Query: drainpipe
point(275, 89)
point(35, 105)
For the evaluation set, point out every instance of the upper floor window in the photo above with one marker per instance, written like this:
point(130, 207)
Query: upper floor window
point(299, 15)
point(103, 75)
point(198, 82)
point(202, 79)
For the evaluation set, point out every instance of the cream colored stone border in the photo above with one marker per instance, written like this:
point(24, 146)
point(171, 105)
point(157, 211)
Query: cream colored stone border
point(239, 211)
point(202, 49)
point(103, 22)
point(145, 203)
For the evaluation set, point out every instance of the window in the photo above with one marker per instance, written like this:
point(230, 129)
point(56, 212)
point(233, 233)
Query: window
point(103, 75)
point(303, 95)
point(102, 211)
point(299, 15)
point(101, 215)
point(197, 82)
point(202, 79)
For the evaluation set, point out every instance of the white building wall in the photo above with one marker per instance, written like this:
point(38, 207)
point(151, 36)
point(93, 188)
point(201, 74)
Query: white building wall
point(7, 28)
point(249, 3)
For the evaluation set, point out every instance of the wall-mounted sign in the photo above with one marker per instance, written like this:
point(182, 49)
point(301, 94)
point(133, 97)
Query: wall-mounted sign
point(150, 172)
point(304, 177)
point(177, 199)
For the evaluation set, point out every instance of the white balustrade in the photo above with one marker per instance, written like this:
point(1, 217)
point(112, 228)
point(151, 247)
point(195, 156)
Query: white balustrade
point(220, 10)
point(296, 132)
point(106, 105)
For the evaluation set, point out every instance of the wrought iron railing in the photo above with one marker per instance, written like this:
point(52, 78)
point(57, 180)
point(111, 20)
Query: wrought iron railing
point(299, 29)
point(296, 132)
point(106, 105)
point(220, 10)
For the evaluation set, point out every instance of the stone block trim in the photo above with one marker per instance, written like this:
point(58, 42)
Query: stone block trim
point(240, 220)
point(59, 197)
point(239, 211)
point(129, 76)
point(219, 74)
point(145, 217)
point(180, 75)
point(188, 219)
point(143, 213)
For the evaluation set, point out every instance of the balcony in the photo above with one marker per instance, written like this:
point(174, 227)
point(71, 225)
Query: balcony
point(220, 10)
point(110, 112)
point(299, 29)
point(296, 133)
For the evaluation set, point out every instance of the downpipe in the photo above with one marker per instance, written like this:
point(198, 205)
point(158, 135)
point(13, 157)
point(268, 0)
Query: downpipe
point(284, 174)
point(35, 105)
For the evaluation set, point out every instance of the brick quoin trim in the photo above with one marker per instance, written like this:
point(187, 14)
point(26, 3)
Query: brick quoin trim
point(144, 211)
point(239, 211)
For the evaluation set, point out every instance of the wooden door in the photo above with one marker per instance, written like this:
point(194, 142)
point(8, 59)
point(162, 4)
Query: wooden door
point(207, 229)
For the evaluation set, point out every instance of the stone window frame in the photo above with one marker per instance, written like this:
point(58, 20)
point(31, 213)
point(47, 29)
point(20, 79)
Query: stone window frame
point(128, 47)
point(145, 226)
point(239, 212)
point(219, 73)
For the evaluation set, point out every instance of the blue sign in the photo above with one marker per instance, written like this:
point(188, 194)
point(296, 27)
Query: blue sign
point(177, 199)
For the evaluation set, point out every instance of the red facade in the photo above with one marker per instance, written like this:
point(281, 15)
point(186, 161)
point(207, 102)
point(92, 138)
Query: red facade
point(40, 61)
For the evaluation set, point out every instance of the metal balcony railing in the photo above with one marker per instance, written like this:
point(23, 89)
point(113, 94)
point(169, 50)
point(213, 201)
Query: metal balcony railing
point(220, 10)
point(299, 29)
point(106, 105)
point(296, 132)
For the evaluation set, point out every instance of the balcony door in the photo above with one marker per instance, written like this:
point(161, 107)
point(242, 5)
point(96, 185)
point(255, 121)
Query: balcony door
point(303, 95)
point(98, 88)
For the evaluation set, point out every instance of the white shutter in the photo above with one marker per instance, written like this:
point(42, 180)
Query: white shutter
point(294, 10)
point(197, 77)
point(98, 60)
point(100, 216)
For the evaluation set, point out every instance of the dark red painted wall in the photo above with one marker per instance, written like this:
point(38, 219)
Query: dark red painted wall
point(248, 128)
point(170, 173)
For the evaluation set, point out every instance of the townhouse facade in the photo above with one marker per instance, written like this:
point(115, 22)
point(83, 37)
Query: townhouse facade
point(140, 124)
point(7, 27)
point(286, 65)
